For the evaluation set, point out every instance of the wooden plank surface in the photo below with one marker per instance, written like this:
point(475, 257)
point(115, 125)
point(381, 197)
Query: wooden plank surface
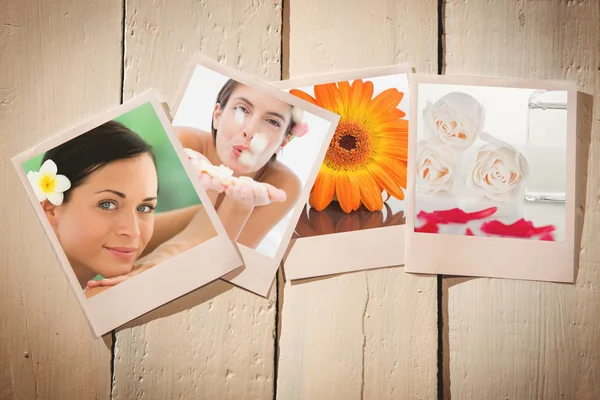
point(370, 335)
point(514, 339)
point(216, 342)
point(60, 64)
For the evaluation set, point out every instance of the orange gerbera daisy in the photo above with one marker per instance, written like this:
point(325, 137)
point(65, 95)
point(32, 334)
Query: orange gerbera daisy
point(369, 150)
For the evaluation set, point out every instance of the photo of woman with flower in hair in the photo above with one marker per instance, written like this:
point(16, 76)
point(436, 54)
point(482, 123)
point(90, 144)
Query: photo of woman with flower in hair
point(118, 199)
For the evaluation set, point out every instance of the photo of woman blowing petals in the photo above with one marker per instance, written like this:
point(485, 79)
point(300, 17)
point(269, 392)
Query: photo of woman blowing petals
point(237, 160)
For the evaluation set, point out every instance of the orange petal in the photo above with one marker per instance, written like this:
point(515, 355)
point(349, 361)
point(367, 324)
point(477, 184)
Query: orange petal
point(397, 137)
point(395, 169)
point(303, 95)
point(397, 125)
point(359, 102)
point(356, 183)
point(385, 180)
point(366, 95)
point(359, 96)
point(370, 193)
point(328, 96)
point(347, 192)
point(341, 102)
point(324, 189)
point(354, 98)
point(344, 89)
point(394, 152)
point(383, 107)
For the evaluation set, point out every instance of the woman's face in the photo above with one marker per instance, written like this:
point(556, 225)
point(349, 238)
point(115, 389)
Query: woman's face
point(247, 112)
point(109, 219)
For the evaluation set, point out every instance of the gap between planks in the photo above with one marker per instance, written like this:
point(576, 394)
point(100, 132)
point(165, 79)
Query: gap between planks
point(113, 333)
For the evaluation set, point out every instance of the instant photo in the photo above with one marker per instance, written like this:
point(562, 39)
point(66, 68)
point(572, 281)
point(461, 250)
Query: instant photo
point(114, 196)
point(257, 151)
point(354, 218)
point(492, 178)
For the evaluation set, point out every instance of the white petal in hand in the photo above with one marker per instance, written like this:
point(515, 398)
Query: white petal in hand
point(212, 177)
point(255, 193)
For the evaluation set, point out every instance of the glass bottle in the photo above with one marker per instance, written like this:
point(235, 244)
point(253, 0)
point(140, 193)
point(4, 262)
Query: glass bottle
point(546, 149)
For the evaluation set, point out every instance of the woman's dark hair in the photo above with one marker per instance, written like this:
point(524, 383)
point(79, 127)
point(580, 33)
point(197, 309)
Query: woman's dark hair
point(81, 156)
point(223, 98)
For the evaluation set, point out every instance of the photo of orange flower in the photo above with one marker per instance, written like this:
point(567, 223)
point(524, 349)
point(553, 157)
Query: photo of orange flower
point(368, 153)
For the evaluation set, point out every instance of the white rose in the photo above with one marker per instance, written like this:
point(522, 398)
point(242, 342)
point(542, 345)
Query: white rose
point(456, 120)
point(437, 168)
point(499, 171)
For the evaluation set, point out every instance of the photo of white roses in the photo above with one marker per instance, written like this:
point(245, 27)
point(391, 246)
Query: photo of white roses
point(491, 161)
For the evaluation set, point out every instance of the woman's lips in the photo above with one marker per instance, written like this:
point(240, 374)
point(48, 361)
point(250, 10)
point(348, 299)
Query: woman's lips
point(237, 150)
point(124, 253)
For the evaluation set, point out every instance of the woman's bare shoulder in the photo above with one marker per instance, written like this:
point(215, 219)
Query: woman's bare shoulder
point(282, 177)
point(193, 138)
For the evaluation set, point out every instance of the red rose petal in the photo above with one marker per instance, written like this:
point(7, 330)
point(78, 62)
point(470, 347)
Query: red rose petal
point(469, 232)
point(429, 227)
point(520, 228)
point(456, 215)
point(547, 237)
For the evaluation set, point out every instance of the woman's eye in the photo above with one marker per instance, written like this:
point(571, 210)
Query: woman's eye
point(241, 108)
point(145, 208)
point(107, 205)
point(274, 123)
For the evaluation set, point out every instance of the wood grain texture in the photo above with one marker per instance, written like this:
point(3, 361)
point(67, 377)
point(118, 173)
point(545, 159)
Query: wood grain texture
point(216, 342)
point(59, 66)
point(514, 339)
point(370, 335)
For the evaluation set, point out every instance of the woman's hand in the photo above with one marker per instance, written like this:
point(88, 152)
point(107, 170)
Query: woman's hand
point(140, 266)
point(254, 194)
point(243, 189)
point(210, 176)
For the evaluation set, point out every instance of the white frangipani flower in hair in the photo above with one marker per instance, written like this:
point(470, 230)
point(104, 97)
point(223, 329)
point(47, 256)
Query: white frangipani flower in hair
point(48, 184)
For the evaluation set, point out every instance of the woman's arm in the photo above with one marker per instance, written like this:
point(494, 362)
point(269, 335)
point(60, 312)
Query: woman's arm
point(234, 216)
point(192, 138)
point(197, 231)
point(168, 224)
point(201, 142)
point(264, 218)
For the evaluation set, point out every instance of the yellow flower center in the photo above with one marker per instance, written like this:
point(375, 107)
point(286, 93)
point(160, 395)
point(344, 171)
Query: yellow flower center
point(350, 147)
point(47, 183)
